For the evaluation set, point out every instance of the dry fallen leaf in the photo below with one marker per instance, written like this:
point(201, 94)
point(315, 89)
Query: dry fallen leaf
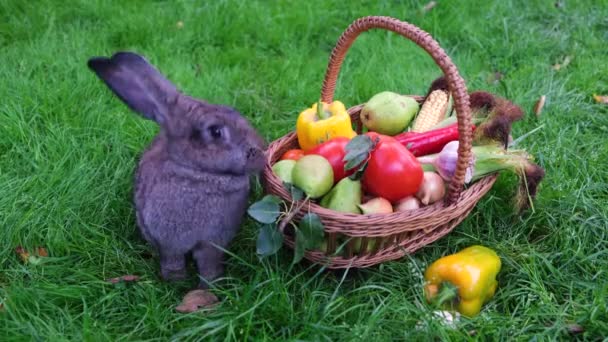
point(22, 253)
point(33, 259)
point(126, 278)
point(538, 107)
point(42, 252)
point(601, 98)
point(575, 329)
point(429, 6)
point(196, 300)
point(563, 64)
point(180, 24)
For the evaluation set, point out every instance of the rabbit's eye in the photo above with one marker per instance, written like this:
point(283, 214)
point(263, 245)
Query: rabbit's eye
point(215, 131)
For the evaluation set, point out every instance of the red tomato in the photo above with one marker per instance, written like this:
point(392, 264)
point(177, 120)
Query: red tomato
point(333, 151)
point(294, 154)
point(374, 135)
point(392, 171)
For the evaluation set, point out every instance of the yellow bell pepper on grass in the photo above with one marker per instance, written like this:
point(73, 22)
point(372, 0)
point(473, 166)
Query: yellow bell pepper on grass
point(470, 276)
point(319, 124)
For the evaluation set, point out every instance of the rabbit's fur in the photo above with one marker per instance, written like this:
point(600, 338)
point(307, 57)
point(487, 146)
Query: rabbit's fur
point(192, 183)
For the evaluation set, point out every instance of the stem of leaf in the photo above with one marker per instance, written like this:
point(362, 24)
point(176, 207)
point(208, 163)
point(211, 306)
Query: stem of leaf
point(292, 214)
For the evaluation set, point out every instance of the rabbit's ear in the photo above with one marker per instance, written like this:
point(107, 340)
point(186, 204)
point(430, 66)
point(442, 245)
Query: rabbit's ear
point(136, 83)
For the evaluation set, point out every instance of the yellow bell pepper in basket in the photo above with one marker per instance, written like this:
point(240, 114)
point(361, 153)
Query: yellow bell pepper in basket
point(319, 124)
point(470, 274)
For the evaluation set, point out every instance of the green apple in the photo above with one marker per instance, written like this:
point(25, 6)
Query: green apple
point(314, 175)
point(389, 113)
point(376, 205)
point(344, 197)
point(283, 169)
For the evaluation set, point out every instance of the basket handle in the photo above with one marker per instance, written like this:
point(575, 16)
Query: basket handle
point(455, 83)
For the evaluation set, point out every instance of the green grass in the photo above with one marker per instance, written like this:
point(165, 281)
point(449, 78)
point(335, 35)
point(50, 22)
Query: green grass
point(68, 149)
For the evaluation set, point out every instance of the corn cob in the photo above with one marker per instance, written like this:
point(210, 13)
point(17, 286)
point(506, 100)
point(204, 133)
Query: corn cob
point(433, 110)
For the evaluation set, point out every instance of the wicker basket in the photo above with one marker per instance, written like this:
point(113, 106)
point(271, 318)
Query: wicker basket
point(391, 235)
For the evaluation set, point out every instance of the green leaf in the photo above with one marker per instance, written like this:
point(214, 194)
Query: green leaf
point(295, 192)
point(313, 231)
point(359, 173)
point(266, 210)
point(356, 161)
point(269, 241)
point(298, 252)
point(359, 144)
point(358, 151)
point(272, 198)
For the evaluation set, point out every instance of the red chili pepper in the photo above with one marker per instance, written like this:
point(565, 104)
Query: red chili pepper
point(425, 143)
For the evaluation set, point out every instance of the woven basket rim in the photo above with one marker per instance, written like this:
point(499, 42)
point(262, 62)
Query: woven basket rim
point(275, 186)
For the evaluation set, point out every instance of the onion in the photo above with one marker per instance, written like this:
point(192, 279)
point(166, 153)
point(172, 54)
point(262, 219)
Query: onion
point(407, 203)
point(445, 162)
point(432, 188)
point(487, 159)
point(377, 205)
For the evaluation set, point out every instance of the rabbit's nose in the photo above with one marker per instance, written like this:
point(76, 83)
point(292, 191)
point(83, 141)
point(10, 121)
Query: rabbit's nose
point(253, 153)
point(255, 158)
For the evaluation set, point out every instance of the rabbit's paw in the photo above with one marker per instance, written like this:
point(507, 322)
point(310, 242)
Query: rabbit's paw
point(209, 261)
point(172, 267)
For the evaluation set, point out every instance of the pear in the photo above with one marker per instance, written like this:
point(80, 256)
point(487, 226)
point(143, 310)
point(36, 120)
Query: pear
point(283, 170)
point(389, 113)
point(344, 197)
point(313, 174)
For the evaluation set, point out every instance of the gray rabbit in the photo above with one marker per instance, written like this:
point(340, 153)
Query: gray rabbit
point(192, 183)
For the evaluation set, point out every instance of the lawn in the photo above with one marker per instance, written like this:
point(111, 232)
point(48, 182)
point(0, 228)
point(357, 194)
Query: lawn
point(68, 149)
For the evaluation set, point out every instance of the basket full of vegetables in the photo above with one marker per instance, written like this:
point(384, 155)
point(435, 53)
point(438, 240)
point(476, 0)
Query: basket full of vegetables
point(359, 186)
